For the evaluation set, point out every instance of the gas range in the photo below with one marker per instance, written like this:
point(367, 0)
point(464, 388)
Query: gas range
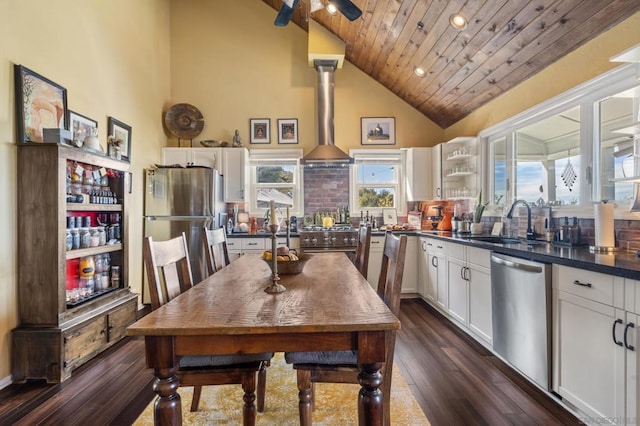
point(336, 238)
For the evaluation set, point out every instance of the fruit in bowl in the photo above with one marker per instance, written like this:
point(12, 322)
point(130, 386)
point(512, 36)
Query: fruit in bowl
point(283, 254)
point(288, 264)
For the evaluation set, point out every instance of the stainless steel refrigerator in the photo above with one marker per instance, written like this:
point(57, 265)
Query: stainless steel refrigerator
point(181, 200)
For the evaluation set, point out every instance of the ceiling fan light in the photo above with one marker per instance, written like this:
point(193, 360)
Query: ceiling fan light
point(331, 8)
point(316, 5)
point(458, 21)
point(419, 71)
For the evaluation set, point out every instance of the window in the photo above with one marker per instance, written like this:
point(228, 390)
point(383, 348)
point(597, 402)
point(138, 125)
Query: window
point(378, 180)
point(566, 151)
point(276, 175)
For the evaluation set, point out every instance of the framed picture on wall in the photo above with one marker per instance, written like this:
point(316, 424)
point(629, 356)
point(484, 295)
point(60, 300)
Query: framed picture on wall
point(260, 130)
point(80, 126)
point(40, 104)
point(378, 130)
point(288, 130)
point(120, 133)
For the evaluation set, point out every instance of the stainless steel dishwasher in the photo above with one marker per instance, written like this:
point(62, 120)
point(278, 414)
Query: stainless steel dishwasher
point(521, 313)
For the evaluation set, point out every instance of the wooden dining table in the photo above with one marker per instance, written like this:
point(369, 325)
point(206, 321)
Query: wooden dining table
point(328, 306)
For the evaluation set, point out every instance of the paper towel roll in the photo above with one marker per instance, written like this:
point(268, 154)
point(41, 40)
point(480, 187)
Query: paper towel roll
point(604, 229)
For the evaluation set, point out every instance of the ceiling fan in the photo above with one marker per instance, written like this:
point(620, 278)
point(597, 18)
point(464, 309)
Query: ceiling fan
point(346, 7)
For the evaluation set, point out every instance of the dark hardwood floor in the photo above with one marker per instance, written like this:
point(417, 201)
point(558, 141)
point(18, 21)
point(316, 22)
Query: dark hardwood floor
point(455, 380)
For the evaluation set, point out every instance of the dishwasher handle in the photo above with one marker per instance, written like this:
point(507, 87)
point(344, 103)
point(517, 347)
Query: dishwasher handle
point(511, 264)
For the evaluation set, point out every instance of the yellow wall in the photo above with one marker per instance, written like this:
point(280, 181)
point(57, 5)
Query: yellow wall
point(579, 66)
point(113, 59)
point(230, 61)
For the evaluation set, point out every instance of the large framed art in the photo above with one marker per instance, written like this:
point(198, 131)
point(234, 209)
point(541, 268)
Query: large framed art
point(40, 104)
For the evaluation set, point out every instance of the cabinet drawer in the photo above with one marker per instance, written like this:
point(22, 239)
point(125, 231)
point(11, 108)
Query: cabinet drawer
point(436, 246)
point(253, 244)
point(456, 251)
point(119, 319)
point(590, 285)
point(480, 257)
point(83, 342)
point(234, 243)
point(377, 244)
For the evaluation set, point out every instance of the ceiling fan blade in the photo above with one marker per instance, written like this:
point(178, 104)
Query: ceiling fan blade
point(284, 14)
point(348, 9)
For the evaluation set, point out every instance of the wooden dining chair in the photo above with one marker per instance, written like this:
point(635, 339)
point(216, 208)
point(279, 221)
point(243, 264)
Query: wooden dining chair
point(342, 366)
point(215, 248)
point(169, 272)
point(362, 250)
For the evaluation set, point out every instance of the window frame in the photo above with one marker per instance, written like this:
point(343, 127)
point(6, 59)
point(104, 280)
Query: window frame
point(269, 157)
point(587, 96)
point(374, 156)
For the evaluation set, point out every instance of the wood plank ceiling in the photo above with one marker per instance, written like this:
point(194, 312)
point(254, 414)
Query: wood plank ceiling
point(504, 43)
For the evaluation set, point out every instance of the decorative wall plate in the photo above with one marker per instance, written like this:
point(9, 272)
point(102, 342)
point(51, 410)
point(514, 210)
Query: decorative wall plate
point(184, 121)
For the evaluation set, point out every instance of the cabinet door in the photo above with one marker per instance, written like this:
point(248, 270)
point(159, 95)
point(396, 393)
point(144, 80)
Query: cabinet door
point(83, 342)
point(436, 172)
point(423, 269)
point(441, 272)
point(119, 319)
point(180, 156)
point(418, 182)
point(410, 274)
point(375, 260)
point(234, 169)
point(589, 368)
point(458, 288)
point(480, 302)
point(432, 278)
point(633, 366)
point(207, 157)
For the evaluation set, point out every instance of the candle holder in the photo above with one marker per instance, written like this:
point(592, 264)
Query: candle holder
point(286, 222)
point(275, 287)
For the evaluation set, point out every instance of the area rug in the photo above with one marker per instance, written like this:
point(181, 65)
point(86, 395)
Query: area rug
point(336, 404)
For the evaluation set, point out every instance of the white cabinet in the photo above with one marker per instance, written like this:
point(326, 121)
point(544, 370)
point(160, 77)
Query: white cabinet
point(434, 271)
point(418, 181)
point(208, 157)
point(469, 274)
point(410, 274)
point(423, 268)
point(256, 245)
point(436, 172)
point(375, 260)
point(593, 366)
point(235, 174)
point(460, 168)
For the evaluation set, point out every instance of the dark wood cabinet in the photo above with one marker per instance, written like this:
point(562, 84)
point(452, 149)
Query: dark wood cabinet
point(60, 326)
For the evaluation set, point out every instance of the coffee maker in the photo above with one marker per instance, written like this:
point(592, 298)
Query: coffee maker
point(293, 224)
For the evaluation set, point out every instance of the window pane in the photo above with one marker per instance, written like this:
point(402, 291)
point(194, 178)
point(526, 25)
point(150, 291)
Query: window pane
point(499, 159)
point(376, 173)
point(275, 174)
point(282, 196)
point(617, 118)
point(548, 159)
point(376, 197)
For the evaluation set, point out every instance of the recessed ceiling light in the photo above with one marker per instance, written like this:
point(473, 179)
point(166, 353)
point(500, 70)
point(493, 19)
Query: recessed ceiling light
point(331, 8)
point(458, 22)
point(419, 71)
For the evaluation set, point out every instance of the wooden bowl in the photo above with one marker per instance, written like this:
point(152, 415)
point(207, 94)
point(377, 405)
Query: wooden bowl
point(290, 267)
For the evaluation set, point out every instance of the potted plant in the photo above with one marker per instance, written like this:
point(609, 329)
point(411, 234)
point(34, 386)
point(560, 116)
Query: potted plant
point(476, 226)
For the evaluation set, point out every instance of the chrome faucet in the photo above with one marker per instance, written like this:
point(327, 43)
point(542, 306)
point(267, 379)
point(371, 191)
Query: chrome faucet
point(530, 234)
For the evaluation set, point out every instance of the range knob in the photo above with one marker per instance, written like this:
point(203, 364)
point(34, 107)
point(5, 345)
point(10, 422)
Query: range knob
point(314, 241)
point(352, 239)
point(333, 239)
point(345, 240)
point(306, 240)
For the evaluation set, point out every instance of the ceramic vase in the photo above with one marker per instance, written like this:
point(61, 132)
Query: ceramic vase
point(476, 228)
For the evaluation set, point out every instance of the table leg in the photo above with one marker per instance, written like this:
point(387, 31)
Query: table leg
point(167, 409)
point(370, 406)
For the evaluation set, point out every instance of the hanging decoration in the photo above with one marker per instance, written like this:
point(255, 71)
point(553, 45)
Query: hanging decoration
point(569, 175)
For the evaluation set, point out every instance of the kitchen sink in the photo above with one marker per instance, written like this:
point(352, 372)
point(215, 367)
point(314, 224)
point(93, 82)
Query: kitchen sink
point(505, 240)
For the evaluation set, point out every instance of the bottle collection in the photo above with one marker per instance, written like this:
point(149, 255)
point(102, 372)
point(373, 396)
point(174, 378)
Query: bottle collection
point(93, 275)
point(81, 234)
point(90, 184)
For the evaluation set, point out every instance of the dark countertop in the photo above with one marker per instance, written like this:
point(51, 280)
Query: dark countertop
point(260, 235)
point(621, 263)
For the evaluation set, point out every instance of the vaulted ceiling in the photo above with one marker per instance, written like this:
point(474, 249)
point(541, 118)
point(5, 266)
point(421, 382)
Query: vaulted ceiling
point(504, 43)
